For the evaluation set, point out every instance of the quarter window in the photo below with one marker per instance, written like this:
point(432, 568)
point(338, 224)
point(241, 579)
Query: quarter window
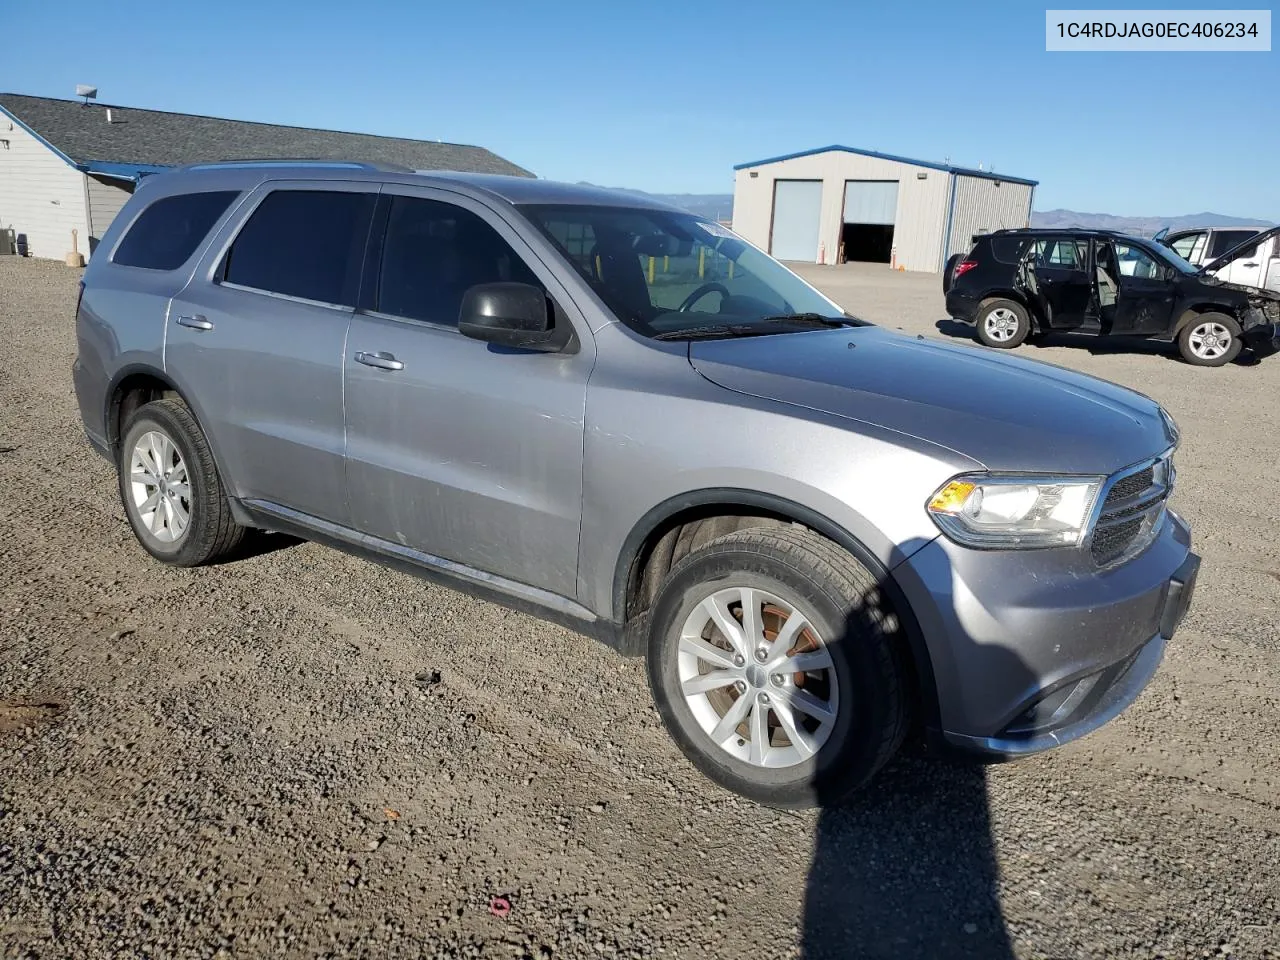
point(433, 253)
point(303, 243)
point(168, 232)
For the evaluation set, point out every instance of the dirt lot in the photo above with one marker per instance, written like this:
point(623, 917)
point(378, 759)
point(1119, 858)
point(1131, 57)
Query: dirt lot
point(302, 754)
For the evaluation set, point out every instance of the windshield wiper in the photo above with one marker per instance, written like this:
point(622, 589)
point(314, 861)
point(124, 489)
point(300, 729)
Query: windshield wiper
point(761, 327)
point(816, 319)
point(712, 330)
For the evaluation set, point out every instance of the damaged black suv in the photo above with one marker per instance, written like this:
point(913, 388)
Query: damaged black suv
point(1017, 283)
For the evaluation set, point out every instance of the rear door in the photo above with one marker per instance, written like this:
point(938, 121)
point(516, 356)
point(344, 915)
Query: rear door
point(1144, 299)
point(258, 336)
point(1062, 286)
point(456, 448)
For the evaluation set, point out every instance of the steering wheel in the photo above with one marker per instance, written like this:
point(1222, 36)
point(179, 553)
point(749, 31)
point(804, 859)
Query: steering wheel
point(701, 292)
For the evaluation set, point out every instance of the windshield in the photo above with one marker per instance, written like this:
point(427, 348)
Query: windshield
point(663, 273)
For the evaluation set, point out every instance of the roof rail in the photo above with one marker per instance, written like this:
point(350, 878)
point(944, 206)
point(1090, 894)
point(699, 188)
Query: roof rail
point(297, 161)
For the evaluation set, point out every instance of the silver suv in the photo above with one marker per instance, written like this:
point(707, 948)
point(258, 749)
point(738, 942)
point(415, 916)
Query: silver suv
point(825, 537)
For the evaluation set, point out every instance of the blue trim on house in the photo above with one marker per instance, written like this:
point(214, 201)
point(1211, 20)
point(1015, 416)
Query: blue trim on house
point(837, 148)
point(121, 171)
point(18, 121)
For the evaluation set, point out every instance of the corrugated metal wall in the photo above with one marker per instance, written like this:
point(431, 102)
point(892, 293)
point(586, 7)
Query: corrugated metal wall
point(106, 197)
point(982, 205)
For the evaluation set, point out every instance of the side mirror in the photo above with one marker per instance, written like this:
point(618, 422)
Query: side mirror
point(516, 315)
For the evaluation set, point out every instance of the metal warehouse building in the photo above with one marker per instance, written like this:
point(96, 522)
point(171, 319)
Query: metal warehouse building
point(67, 165)
point(838, 204)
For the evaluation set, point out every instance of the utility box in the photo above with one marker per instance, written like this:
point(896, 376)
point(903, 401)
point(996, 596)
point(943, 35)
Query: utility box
point(6, 242)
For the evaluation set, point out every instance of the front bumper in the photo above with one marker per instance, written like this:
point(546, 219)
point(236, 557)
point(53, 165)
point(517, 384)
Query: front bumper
point(1263, 339)
point(1033, 649)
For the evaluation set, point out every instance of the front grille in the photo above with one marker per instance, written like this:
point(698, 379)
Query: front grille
point(1132, 512)
point(1131, 485)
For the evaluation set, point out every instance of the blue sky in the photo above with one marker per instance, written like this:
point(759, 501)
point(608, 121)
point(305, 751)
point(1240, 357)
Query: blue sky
point(667, 96)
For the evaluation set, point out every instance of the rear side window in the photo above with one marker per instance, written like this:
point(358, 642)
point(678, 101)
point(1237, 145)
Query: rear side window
point(1061, 252)
point(303, 243)
point(169, 230)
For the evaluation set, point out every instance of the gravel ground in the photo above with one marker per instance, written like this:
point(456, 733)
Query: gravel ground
point(302, 754)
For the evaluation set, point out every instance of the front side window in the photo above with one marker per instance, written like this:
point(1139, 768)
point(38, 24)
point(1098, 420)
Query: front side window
point(664, 272)
point(1136, 262)
point(433, 252)
point(303, 243)
point(1224, 240)
point(168, 232)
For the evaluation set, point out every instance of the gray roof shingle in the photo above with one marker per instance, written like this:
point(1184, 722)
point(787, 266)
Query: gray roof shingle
point(173, 139)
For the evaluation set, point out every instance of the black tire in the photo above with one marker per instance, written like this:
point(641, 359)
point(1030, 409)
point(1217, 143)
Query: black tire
point(1213, 324)
point(211, 533)
point(840, 600)
point(1000, 308)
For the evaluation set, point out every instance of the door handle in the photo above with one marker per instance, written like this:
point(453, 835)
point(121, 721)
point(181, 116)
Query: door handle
point(381, 360)
point(1251, 264)
point(196, 322)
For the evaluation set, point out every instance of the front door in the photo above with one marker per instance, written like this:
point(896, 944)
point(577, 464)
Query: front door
point(1063, 289)
point(1252, 267)
point(256, 338)
point(1144, 300)
point(456, 448)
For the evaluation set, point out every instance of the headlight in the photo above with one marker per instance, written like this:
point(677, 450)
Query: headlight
point(994, 512)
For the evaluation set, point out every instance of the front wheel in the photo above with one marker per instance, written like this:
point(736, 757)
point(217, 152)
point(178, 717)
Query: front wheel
point(1210, 340)
point(1003, 323)
point(775, 667)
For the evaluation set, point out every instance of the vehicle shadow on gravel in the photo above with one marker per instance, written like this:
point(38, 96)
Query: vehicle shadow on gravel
point(908, 870)
point(1097, 346)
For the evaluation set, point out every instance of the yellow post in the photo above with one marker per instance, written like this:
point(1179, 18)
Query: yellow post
point(666, 262)
point(702, 262)
point(599, 275)
point(731, 269)
point(651, 262)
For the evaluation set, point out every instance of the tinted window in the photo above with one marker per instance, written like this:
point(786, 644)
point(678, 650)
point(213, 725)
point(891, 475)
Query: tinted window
point(433, 253)
point(169, 230)
point(1008, 249)
point(1224, 240)
point(303, 243)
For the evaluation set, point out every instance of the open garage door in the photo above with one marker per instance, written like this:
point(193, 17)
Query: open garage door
point(797, 211)
point(870, 208)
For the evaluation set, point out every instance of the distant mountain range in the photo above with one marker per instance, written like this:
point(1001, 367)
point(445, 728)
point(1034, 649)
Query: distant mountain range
point(1140, 226)
point(719, 206)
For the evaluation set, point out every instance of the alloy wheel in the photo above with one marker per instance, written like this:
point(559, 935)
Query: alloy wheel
point(757, 677)
point(160, 487)
point(1001, 324)
point(1209, 341)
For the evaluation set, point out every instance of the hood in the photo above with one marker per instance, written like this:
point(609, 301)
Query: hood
point(1236, 252)
point(1004, 412)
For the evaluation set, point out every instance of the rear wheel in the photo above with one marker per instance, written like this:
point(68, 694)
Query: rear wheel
point(1002, 323)
point(170, 488)
point(1210, 340)
point(775, 668)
